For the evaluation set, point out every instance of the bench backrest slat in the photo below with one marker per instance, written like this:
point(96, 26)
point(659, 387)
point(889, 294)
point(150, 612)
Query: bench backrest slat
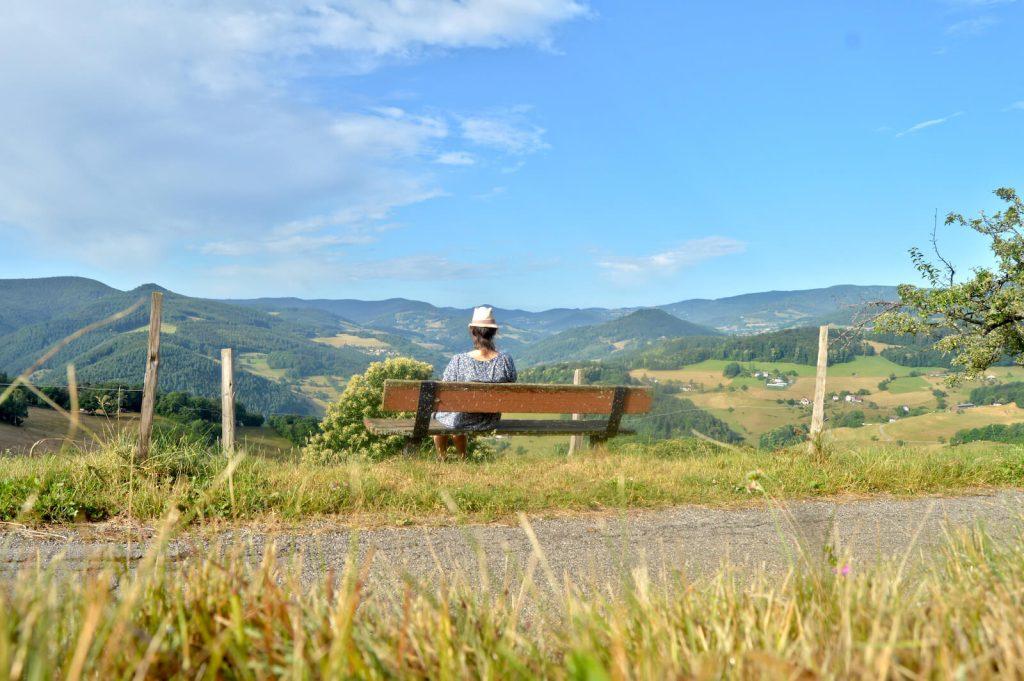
point(526, 398)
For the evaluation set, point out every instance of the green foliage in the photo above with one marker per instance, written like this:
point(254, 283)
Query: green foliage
point(295, 428)
point(14, 409)
point(342, 434)
point(673, 417)
point(792, 345)
point(319, 360)
point(783, 436)
point(104, 398)
point(850, 419)
point(594, 373)
point(981, 317)
point(1003, 393)
point(200, 417)
point(996, 432)
point(732, 370)
point(917, 357)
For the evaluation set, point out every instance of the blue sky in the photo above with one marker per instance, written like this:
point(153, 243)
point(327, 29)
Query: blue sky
point(528, 153)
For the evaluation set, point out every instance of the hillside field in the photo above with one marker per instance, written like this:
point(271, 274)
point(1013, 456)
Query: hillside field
point(752, 409)
point(45, 431)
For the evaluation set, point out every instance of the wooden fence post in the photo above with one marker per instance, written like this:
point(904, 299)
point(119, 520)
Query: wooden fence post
point(73, 408)
point(818, 412)
point(227, 400)
point(152, 367)
point(576, 441)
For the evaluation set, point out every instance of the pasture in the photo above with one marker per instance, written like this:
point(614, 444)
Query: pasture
point(347, 339)
point(45, 431)
point(751, 408)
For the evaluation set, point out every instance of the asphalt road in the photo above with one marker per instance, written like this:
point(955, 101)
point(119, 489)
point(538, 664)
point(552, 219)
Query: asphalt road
point(594, 550)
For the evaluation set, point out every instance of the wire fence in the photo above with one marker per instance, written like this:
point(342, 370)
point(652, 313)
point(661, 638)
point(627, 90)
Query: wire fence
point(212, 412)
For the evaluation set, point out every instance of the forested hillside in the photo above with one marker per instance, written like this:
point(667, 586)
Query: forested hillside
point(792, 345)
point(773, 310)
point(30, 301)
point(294, 354)
point(748, 313)
point(605, 340)
point(284, 343)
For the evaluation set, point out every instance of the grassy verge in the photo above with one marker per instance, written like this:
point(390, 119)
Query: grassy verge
point(962, 617)
point(99, 485)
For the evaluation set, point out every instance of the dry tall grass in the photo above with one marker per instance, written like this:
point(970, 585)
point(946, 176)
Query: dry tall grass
point(962, 617)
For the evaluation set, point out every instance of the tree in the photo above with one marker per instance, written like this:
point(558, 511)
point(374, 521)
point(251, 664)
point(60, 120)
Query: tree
point(342, 434)
point(14, 409)
point(981, 318)
point(783, 436)
point(732, 370)
point(295, 428)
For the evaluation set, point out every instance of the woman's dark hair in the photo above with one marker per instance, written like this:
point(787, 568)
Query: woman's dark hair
point(483, 337)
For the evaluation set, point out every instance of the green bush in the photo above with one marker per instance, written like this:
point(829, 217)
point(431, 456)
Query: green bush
point(14, 409)
point(995, 432)
point(732, 370)
point(851, 419)
point(342, 435)
point(295, 428)
point(783, 436)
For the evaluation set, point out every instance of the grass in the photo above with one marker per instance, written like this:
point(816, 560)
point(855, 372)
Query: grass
point(45, 431)
point(256, 363)
point(751, 409)
point(100, 485)
point(750, 414)
point(348, 339)
point(928, 428)
point(866, 366)
point(961, 616)
point(908, 384)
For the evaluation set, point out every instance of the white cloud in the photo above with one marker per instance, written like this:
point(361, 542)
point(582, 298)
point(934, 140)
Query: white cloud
point(669, 262)
point(388, 132)
point(928, 124)
point(1018, 105)
point(508, 132)
point(157, 124)
point(398, 26)
point(973, 26)
point(456, 158)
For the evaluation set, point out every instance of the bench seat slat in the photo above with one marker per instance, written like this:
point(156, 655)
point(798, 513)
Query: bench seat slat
point(505, 427)
point(515, 398)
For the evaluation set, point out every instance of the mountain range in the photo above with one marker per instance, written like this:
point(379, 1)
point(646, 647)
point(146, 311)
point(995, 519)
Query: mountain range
point(295, 354)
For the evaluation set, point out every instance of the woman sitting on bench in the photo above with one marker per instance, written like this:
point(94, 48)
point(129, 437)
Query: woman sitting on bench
point(484, 364)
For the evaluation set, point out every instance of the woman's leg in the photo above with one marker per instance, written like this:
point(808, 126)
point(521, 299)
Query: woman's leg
point(461, 443)
point(441, 445)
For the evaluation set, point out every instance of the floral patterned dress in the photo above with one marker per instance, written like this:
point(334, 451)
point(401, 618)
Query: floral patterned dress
point(462, 367)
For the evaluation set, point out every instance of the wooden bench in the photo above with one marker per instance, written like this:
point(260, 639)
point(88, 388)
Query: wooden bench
point(427, 397)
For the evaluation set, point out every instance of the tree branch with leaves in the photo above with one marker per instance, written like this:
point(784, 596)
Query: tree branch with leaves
point(981, 318)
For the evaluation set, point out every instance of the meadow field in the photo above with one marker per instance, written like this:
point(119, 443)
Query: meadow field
point(751, 408)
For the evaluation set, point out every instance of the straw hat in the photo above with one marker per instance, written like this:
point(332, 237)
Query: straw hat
point(484, 317)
